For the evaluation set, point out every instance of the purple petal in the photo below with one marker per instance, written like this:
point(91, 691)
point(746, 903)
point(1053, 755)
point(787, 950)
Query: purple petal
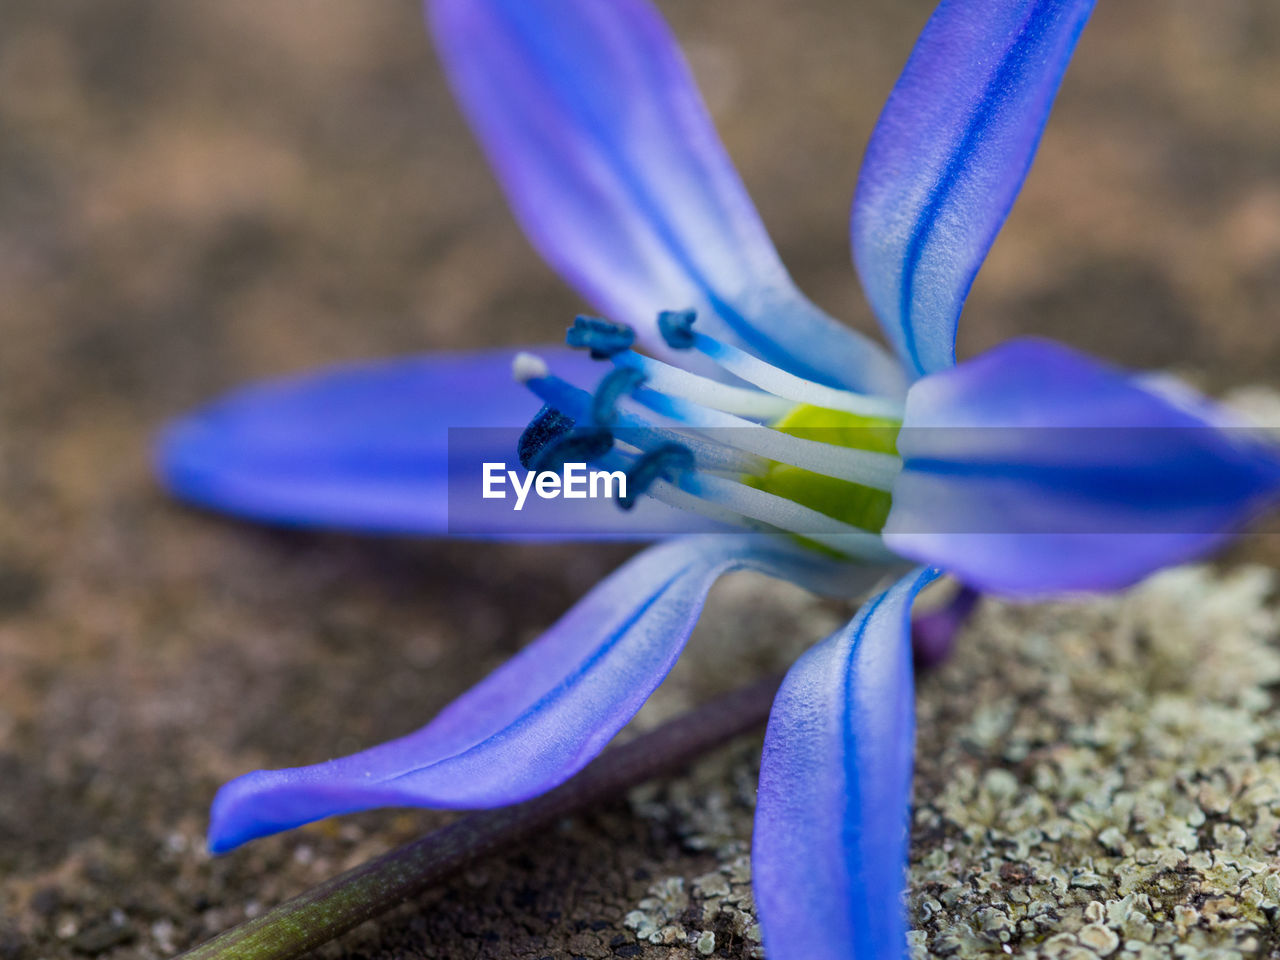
point(948, 157)
point(1034, 469)
point(933, 634)
point(593, 124)
point(829, 853)
point(538, 719)
point(367, 447)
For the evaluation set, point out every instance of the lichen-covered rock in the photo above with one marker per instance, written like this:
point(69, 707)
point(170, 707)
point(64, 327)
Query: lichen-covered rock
point(1094, 779)
point(1102, 778)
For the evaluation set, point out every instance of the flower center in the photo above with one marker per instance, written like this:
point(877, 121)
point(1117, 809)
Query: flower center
point(770, 451)
point(856, 504)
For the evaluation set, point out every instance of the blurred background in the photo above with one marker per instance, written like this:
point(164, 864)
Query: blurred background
point(198, 193)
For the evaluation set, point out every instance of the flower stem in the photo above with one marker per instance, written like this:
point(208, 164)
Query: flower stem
point(335, 906)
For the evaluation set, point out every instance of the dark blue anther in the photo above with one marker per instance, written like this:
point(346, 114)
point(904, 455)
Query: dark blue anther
point(603, 338)
point(581, 445)
point(661, 463)
point(615, 385)
point(676, 327)
point(547, 427)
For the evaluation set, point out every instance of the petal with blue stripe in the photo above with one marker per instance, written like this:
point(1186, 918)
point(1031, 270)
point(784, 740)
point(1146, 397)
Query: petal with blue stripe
point(539, 718)
point(829, 854)
point(948, 157)
point(1034, 470)
point(593, 123)
point(393, 446)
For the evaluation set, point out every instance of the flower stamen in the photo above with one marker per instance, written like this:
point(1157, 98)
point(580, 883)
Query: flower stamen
point(578, 405)
point(617, 383)
point(547, 427)
point(666, 462)
point(783, 455)
point(676, 382)
point(602, 337)
point(679, 335)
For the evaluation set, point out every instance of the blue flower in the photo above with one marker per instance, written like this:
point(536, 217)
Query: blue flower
point(1030, 470)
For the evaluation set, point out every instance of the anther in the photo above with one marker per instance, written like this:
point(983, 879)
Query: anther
point(676, 327)
point(546, 428)
point(616, 384)
point(581, 445)
point(603, 338)
point(528, 366)
point(662, 463)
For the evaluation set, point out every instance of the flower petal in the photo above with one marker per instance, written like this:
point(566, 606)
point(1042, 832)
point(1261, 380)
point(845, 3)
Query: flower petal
point(368, 447)
point(539, 718)
point(948, 157)
point(830, 847)
point(933, 634)
point(593, 124)
point(1034, 469)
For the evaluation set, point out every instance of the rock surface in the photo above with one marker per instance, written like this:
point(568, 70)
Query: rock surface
point(1093, 779)
point(194, 194)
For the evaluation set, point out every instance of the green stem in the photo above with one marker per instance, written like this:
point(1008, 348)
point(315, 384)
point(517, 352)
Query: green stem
point(335, 906)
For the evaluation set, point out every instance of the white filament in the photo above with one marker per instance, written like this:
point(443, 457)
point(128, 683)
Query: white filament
point(787, 385)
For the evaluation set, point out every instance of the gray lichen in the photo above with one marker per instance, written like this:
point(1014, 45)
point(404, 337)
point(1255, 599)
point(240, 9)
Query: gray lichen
point(1094, 779)
point(1115, 785)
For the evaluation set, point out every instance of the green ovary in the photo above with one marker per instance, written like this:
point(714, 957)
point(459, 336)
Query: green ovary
point(852, 503)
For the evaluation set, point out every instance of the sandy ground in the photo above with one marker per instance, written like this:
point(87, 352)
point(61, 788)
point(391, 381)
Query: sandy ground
point(201, 193)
